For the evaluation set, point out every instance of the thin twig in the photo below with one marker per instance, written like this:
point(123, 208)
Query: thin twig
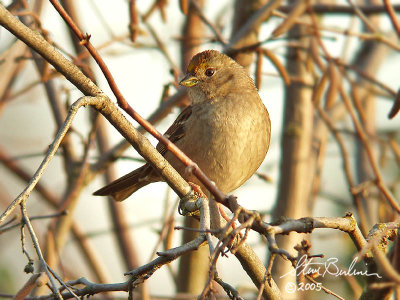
point(326, 290)
point(35, 241)
point(392, 16)
point(206, 21)
point(363, 18)
point(56, 215)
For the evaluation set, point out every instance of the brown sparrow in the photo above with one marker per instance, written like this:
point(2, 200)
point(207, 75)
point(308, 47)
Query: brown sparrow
point(226, 130)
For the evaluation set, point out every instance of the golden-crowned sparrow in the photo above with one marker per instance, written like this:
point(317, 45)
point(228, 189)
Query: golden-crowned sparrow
point(226, 129)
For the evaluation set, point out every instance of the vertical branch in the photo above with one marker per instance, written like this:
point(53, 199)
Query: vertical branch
point(134, 20)
point(192, 34)
point(193, 266)
point(244, 9)
point(368, 59)
point(296, 174)
point(118, 217)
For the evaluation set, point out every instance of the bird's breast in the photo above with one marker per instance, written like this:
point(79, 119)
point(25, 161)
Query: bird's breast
point(228, 144)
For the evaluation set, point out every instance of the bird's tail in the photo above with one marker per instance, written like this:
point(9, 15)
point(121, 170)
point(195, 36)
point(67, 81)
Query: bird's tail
point(125, 186)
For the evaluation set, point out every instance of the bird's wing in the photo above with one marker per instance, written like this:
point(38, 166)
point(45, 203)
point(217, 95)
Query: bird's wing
point(123, 187)
point(176, 131)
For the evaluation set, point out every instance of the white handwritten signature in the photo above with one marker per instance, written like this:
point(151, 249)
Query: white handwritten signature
point(306, 266)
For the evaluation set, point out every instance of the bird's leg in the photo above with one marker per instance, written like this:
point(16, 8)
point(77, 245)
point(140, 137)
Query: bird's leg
point(215, 221)
point(199, 193)
point(187, 205)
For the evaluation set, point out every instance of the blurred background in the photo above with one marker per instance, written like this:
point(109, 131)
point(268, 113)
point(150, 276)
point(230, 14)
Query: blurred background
point(326, 70)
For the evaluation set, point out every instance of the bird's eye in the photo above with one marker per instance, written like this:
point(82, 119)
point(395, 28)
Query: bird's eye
point(210, 72)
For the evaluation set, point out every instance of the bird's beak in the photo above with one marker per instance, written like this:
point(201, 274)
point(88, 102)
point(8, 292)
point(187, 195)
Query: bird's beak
point(189, 81)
